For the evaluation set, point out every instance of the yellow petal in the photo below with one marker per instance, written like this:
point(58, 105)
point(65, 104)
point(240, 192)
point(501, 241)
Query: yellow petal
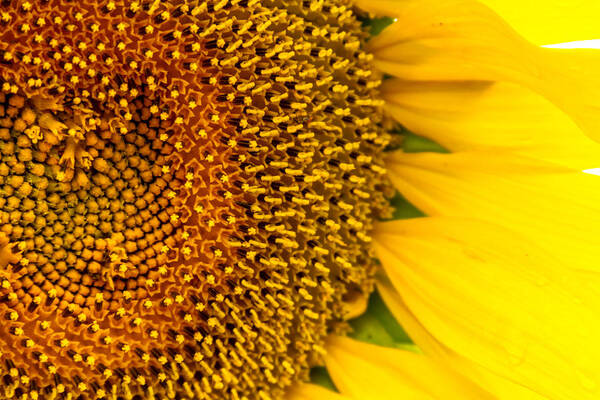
point(554, 206)
point(383, 8)
point(496, 299)
point(551, 21)
point(368, 372)
point(479, 115)
point(465, 40)
point(539, 21)
point(355, 304)
point(309, 391)
point(409, 322)
point(500, 387)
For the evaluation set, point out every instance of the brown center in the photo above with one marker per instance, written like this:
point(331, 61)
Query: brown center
point(188, 189)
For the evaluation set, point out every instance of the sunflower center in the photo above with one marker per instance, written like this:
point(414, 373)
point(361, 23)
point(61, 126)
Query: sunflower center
point(86, 216)
point(187, 193)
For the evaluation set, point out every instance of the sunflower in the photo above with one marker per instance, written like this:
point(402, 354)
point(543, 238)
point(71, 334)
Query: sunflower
point(196, 197)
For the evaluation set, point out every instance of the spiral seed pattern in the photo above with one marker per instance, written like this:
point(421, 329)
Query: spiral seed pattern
point(186, 194)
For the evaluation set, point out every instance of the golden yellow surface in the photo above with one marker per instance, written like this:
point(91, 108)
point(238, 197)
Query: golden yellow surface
point(186, 191)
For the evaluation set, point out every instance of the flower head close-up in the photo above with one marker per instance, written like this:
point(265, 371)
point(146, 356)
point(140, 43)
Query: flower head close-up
point(298, 200)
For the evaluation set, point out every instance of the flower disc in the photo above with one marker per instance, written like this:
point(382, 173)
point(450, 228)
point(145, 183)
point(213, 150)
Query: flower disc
point(186, 194)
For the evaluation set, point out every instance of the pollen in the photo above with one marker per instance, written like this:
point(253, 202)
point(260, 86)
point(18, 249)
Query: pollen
point(187, 190)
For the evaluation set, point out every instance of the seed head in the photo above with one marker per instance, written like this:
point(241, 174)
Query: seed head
point(186, 193)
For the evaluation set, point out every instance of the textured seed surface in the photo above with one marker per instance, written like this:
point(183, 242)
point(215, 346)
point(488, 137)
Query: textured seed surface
point(186, 194)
